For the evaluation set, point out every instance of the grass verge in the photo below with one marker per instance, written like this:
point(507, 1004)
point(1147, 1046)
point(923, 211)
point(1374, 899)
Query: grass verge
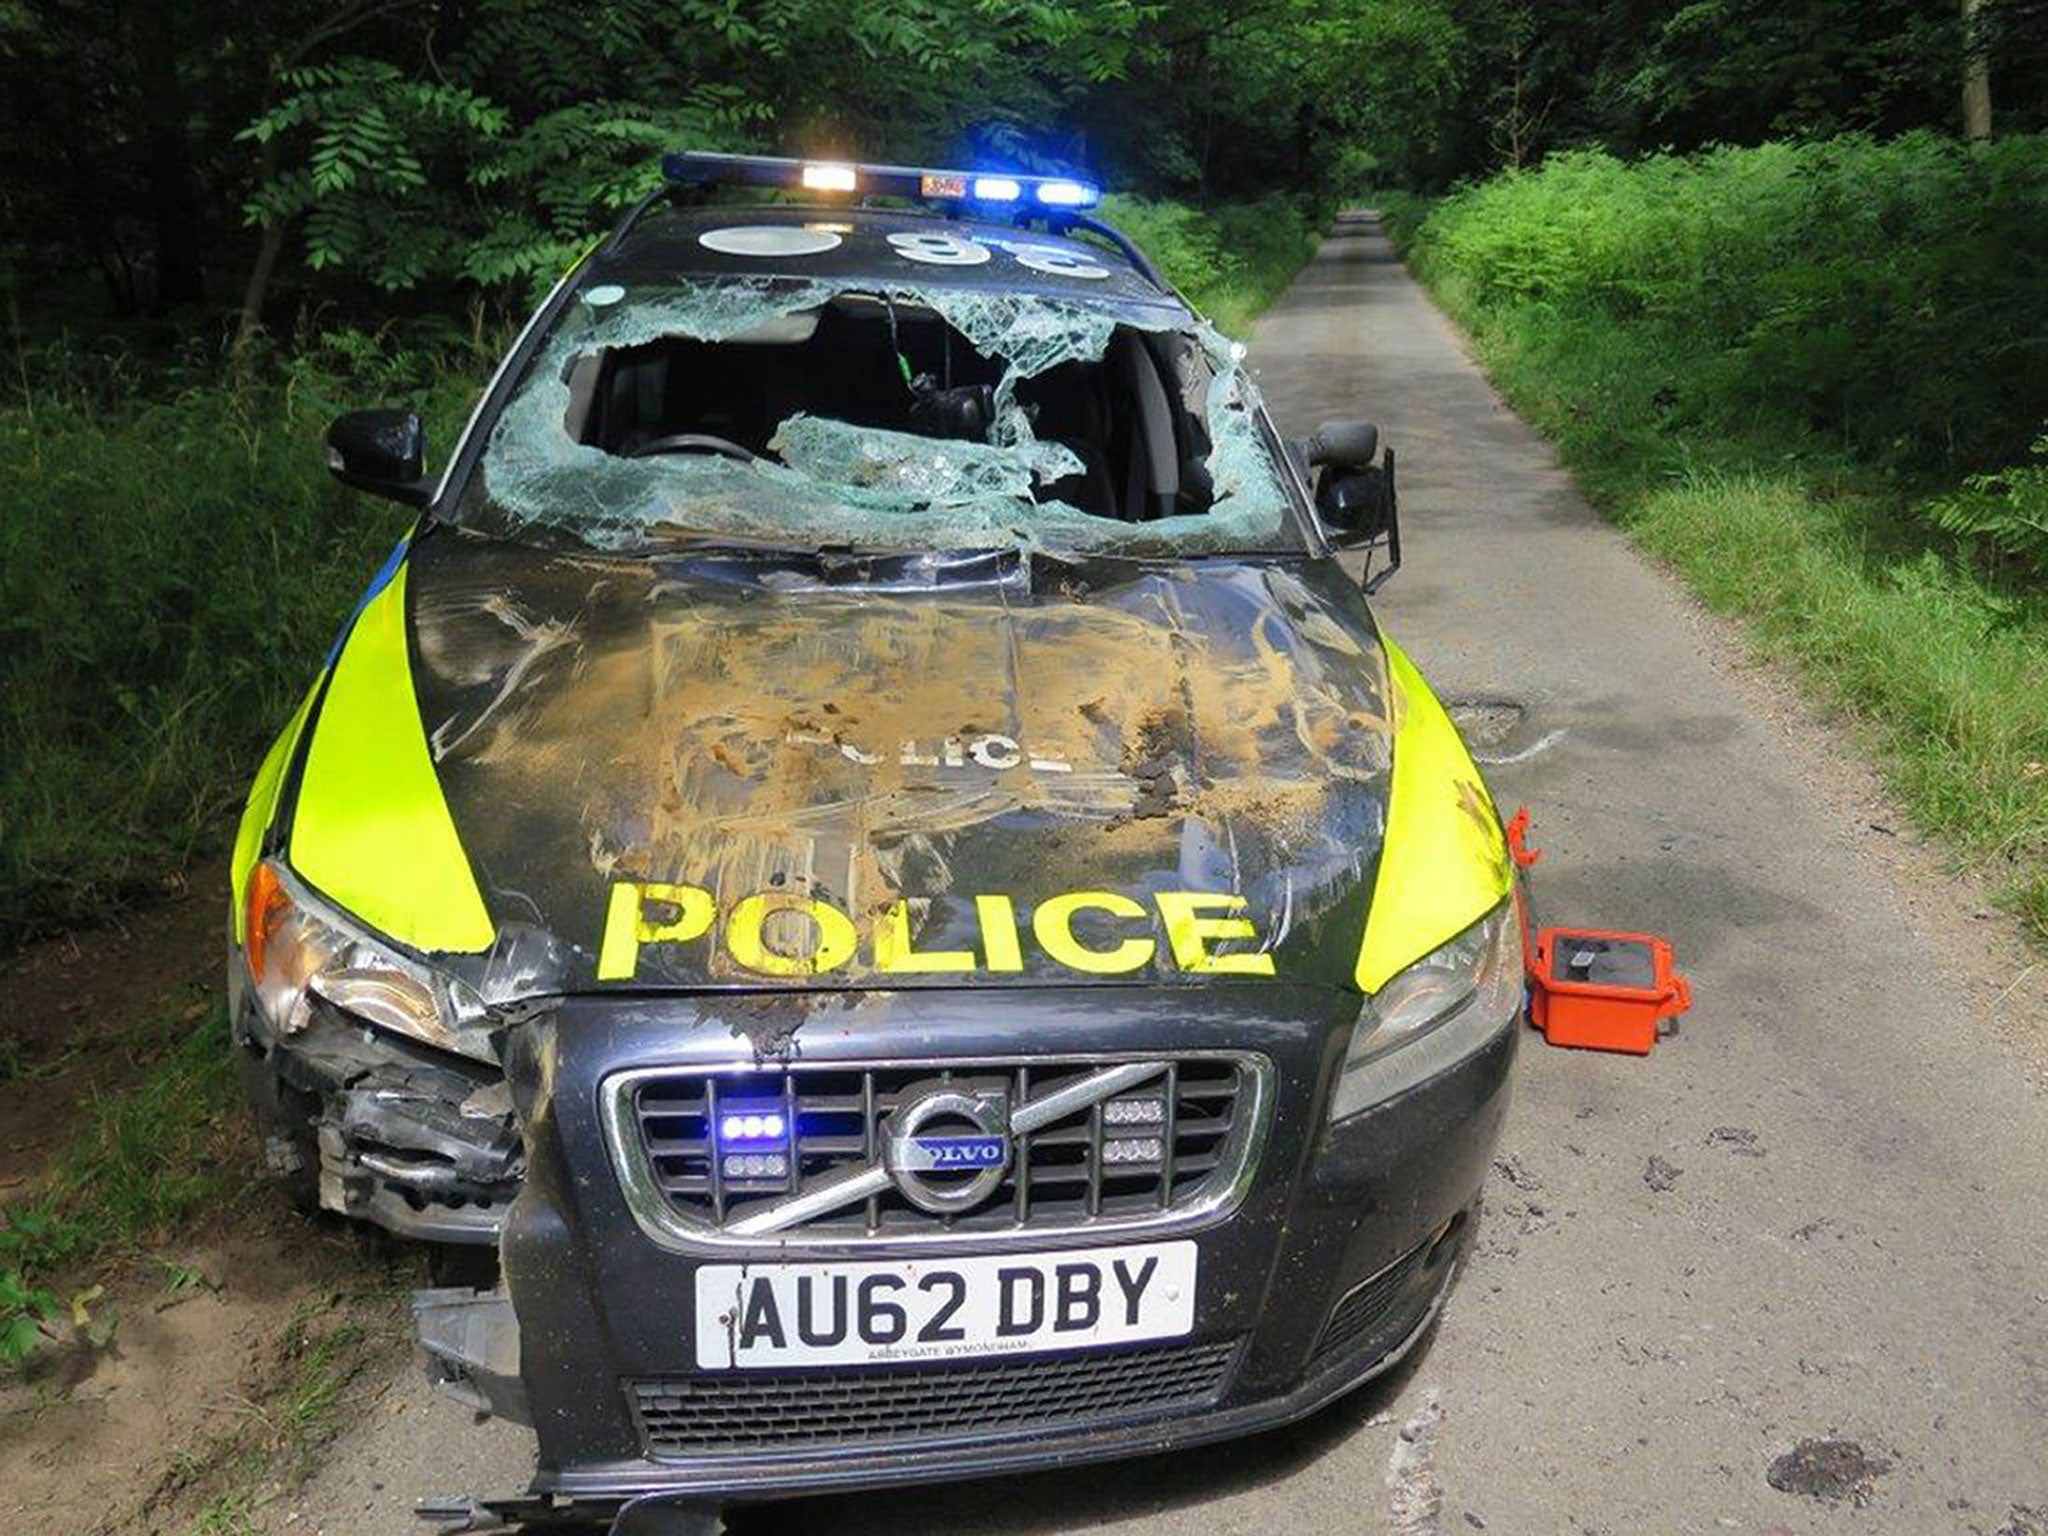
point(167, 1150)
point(1830, 558)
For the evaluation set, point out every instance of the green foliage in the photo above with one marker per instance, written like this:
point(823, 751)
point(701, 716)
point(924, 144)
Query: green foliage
point(2003, 518)
point(1639, 316)
point(539, 122)
point(1893, 297)
point(172, 566)
point(1230, 262)
point(34, 1241)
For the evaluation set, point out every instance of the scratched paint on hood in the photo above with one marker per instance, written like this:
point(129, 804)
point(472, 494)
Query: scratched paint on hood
point(920, 730)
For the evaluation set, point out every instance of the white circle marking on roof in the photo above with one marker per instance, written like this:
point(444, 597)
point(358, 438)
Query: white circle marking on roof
point(936, 248)
point(1057, 261)
point(768, 240)
point(604, 294)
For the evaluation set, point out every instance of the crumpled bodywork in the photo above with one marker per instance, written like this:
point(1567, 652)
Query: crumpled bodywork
point(931, 748)
point(420, 1142)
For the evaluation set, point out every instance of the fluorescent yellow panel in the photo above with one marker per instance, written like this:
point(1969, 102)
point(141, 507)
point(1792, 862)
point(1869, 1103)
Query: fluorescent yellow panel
point(371, 830)
point(1445, 863)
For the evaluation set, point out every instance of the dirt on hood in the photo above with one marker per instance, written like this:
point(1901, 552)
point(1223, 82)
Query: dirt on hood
point(1011, 727)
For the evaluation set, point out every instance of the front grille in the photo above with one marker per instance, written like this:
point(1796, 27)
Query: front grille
point(1096, 1164)
point(708, 1415)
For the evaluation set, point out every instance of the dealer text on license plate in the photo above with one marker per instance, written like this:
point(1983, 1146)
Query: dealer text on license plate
point(939, 1309)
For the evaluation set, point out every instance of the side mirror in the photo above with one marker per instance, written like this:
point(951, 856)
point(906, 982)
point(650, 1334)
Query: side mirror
point(1355, 498)
point(1343, 445)
point(383, 452)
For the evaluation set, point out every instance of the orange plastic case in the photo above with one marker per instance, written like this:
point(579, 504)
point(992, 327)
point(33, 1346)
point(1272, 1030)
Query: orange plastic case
point(1593, 988)
point(1598, 1014)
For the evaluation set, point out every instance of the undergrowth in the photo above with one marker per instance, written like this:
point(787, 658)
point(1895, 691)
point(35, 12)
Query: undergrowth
point(174, 560)
point(1808, 376)
point(144, 1160)
point(1230, 261)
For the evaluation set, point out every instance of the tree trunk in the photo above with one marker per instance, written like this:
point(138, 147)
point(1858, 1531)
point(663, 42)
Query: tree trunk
point(267, 252)
point(1976, 75)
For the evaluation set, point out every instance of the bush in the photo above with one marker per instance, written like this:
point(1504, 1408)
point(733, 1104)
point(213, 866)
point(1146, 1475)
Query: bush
point(2003, 518)
point(1231, 261)
point(172, 566)
point(1893, 296)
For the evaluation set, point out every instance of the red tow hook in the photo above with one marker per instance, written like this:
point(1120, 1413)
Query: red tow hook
point(1593, 988)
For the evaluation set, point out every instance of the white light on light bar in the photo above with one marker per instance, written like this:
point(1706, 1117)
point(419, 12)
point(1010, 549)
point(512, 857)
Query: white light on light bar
point(997, 189)
point(1065, 194)
point(829, 178)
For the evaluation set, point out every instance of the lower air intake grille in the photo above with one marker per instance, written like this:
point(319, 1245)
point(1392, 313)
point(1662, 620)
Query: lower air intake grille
point(1389, 1304)
point(708, 1415)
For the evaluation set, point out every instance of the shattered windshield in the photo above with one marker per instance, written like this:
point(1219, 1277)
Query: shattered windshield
point(790, 412)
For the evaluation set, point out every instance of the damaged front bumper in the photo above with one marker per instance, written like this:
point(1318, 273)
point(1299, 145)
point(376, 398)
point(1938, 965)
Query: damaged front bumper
point(357, 1121)
point(1328, 1270)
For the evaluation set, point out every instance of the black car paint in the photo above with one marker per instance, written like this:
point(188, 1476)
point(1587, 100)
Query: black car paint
point(597, 1301)
point(600, 1304)
point(604, 719)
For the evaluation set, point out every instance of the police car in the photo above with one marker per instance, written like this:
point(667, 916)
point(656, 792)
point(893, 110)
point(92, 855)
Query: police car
point(865, 843)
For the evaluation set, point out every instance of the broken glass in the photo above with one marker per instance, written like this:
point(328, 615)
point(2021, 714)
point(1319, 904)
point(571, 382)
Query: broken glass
point(834, 483)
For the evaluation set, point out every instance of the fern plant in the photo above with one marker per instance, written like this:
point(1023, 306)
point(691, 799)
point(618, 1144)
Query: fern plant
point(2003, 516)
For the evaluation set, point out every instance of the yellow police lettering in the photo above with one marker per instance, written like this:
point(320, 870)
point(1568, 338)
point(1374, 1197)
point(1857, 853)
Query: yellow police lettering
point(999, 948)
point(1052, 926)
point(895, 955)
point(627, 924)
point(783, 934)
point(832, 936)
point(1188, 934)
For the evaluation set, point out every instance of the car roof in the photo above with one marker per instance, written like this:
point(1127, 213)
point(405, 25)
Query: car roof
point(669, 245)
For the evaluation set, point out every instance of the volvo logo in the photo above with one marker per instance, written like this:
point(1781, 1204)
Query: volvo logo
point(947, 1148)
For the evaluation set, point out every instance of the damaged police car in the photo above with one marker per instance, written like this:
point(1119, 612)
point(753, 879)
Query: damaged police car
point(865, 842)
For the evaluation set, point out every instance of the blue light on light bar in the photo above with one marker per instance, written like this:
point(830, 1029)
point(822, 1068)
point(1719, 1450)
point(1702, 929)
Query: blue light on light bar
point(1066, 194)
point(997, 189)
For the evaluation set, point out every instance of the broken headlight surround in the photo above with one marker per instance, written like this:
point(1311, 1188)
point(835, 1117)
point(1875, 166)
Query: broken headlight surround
point(301, 948)
point(1434, 1013)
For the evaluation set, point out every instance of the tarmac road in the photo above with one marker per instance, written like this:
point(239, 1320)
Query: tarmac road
point(1818, 1211)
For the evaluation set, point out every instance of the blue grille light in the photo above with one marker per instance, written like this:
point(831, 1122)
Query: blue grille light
point(753, 1125)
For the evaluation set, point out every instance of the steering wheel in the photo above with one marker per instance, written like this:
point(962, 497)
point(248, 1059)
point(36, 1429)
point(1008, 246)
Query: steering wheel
point(693, 442)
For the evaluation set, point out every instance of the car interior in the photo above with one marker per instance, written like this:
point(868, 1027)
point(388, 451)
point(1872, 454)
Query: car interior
point(1133, 416)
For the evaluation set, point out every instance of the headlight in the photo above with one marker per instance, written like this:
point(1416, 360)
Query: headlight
point(1433, 1014)
point(300, 948)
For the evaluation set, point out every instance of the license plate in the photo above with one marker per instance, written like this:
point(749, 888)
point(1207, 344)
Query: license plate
point(754, 1315)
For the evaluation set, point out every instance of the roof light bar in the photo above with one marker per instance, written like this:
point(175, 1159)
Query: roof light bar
point(702, 168)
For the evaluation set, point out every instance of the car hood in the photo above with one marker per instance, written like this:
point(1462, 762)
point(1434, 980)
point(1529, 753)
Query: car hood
point(663, 771)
